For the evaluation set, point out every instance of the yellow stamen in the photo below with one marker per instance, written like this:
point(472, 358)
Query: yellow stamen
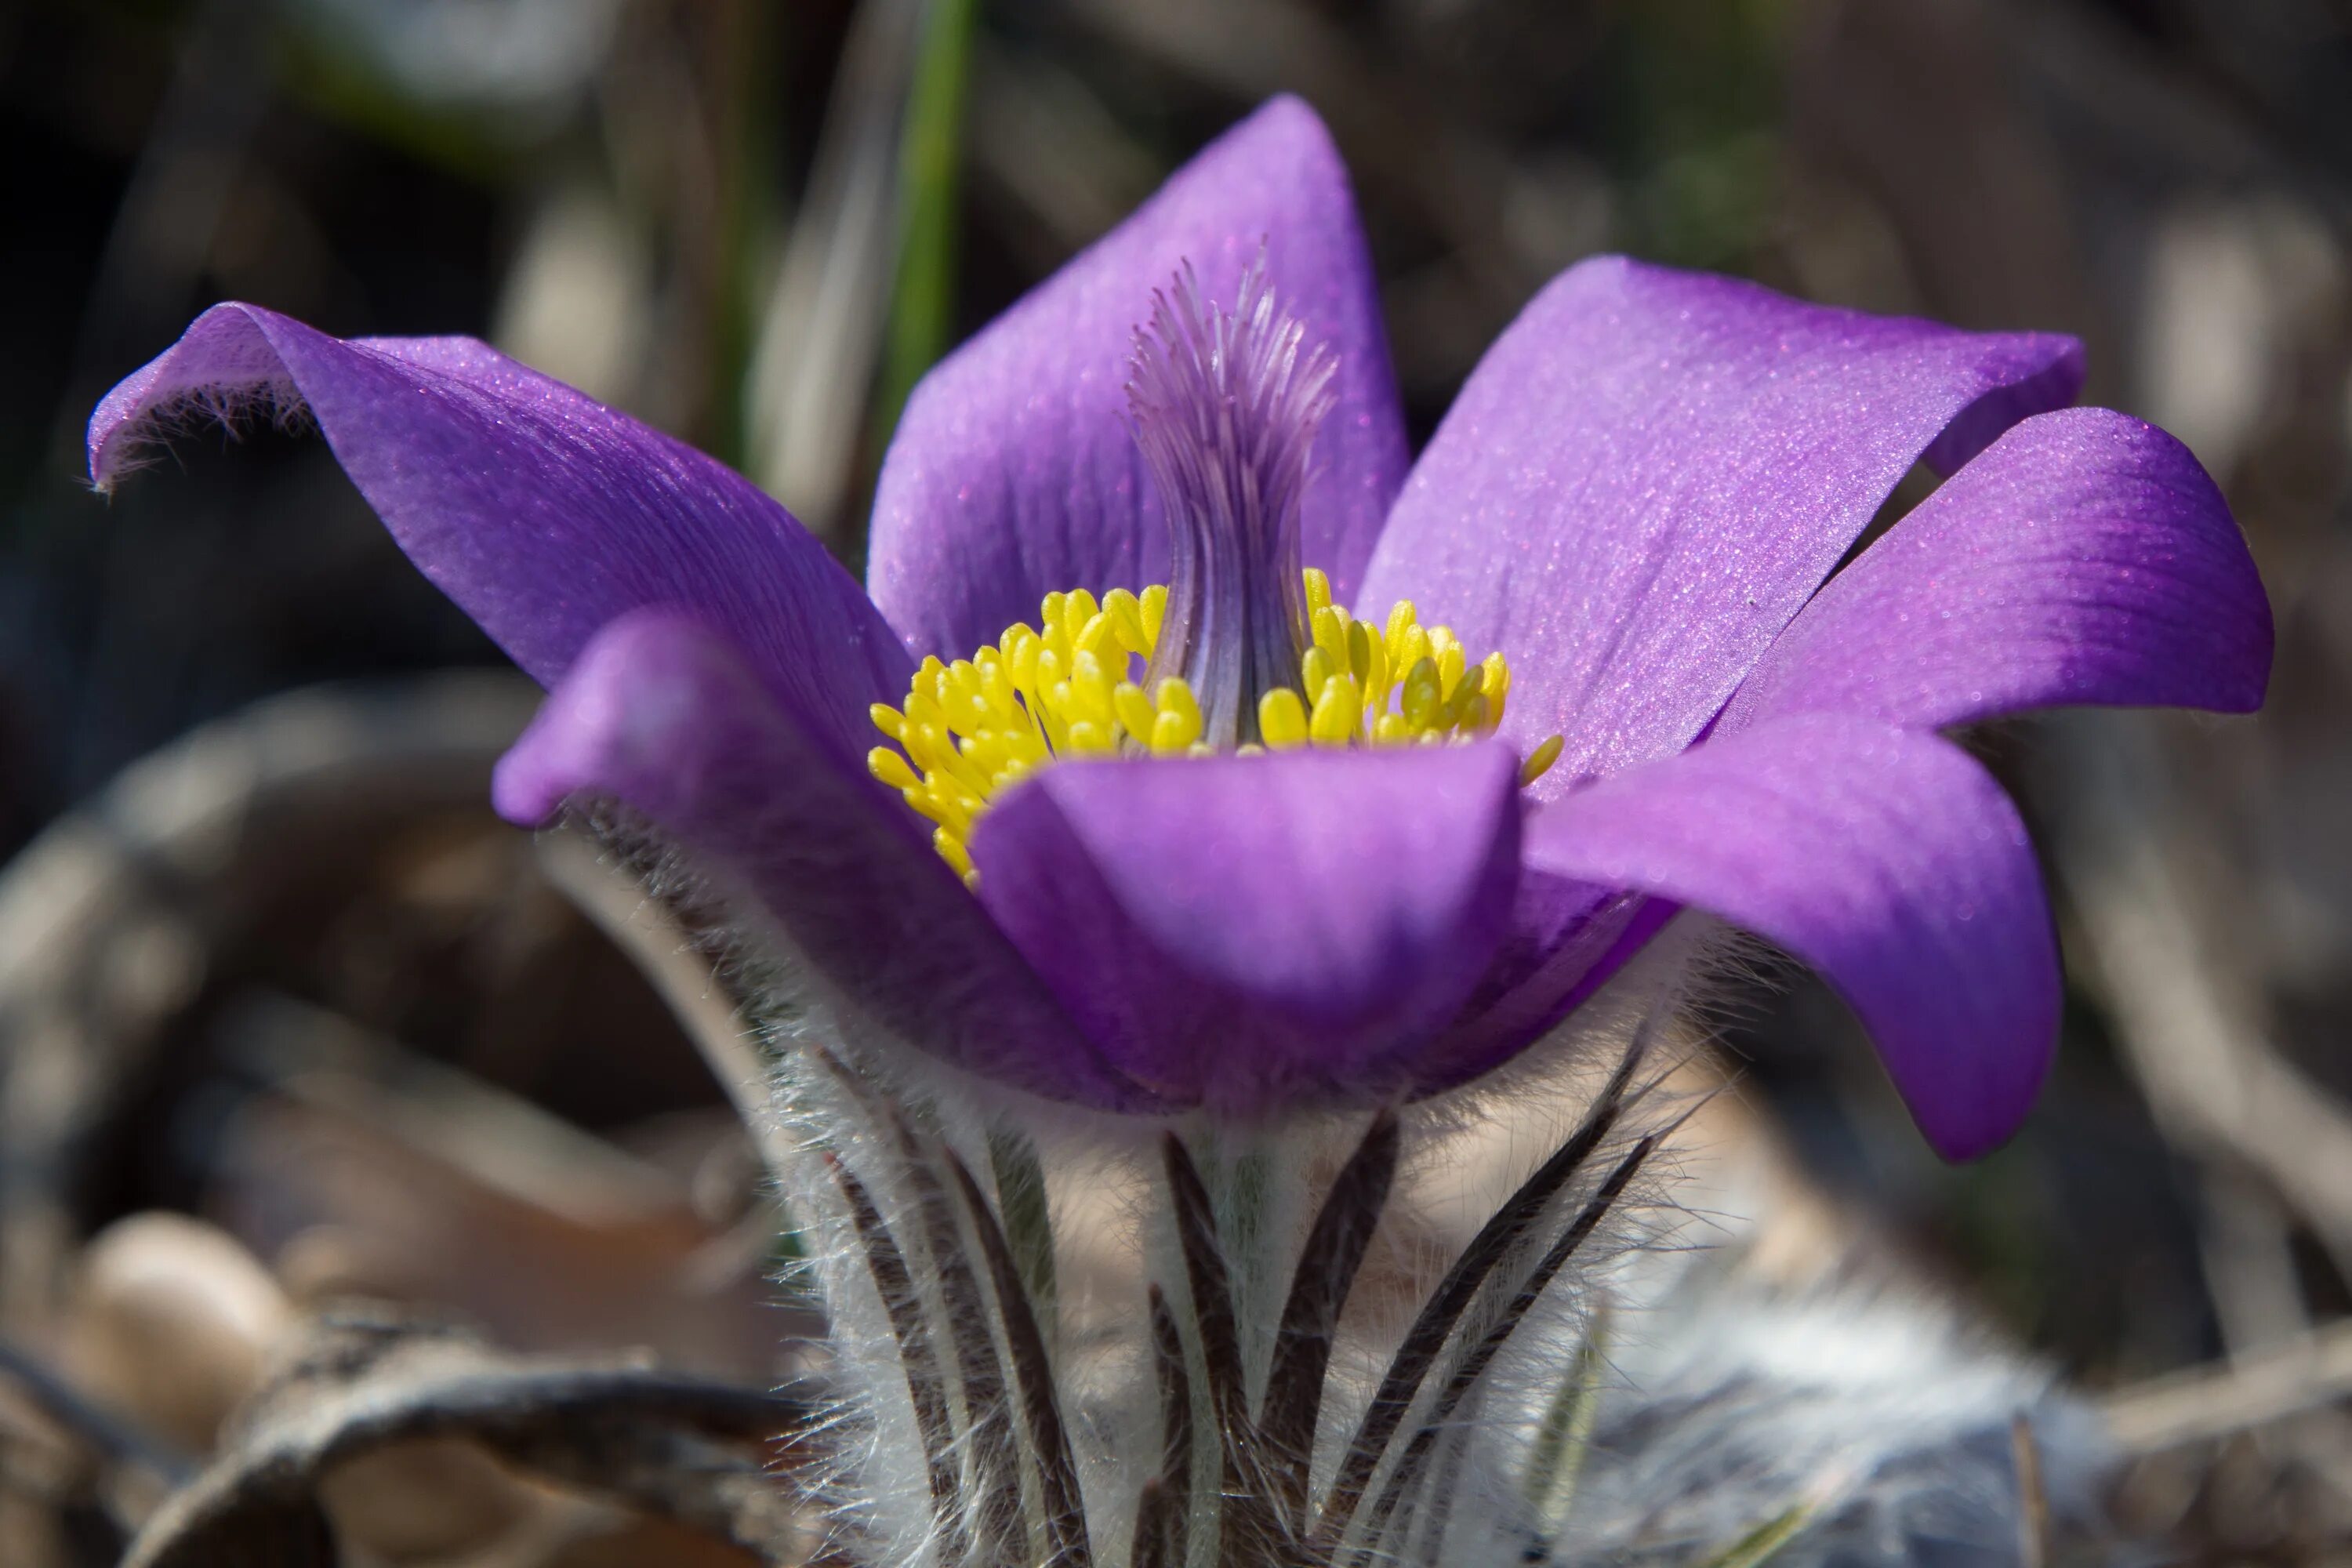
point(1282, 719)
point(1126, 615)
point(1136, 713)
point(1071, 687)
point(1178, 722)
point(953, 851)
point(891, 768)
point(1337, 711)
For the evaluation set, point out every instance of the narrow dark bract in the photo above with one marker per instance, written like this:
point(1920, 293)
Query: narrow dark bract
point(1480, 1356)
point(1049, 1445)
point(1426, 1339)
point(1250, 1528)
point(996, 1468)
point(924, 1386)
point(1310, 1317)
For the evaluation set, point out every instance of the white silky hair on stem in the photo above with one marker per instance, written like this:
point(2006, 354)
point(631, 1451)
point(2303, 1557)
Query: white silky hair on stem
point(934, 1452)
point(871, 1121)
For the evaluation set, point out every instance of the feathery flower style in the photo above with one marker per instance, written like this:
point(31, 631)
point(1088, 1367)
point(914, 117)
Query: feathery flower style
point(1634, 501)
point(1326, 781)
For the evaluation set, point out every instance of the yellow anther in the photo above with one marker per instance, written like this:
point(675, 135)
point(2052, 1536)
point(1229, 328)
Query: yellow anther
point(1330, 631)
point(997, 690)
point(1338, 712)
point(1457, 704)
point(1401, 615)
point(959, 714)
point(989, 753)
point(1175, 696)
point(920, 800)
point(891, 768)
point(1127, 621)
point(1450, 659)
point(922, 744)
point(1178, 723)
point(1077, 609)
point(1539, 761)
point(1422, 694)
point(1497, 685)
point(1153, 603)
point(970, 728)
point(953, 851)
point(947, 806)
point(1316, 670)
point(1087, 666)
point(1134, 709)
point(1410, 649)
point(1282, 719)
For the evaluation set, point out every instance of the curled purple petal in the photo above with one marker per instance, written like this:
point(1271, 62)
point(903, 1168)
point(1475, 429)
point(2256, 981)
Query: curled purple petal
point(1651, 471)
point(663, 716)
point(1567, 939)
point(1014, 473)
point(2084, 558)
point(1887, 859)
point(1244, 933)
point(542, 512)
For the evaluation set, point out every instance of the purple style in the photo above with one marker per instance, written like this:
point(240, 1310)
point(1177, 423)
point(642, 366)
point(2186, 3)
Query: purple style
point(1639, 498)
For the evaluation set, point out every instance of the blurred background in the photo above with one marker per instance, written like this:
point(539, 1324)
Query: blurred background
point(266, 962)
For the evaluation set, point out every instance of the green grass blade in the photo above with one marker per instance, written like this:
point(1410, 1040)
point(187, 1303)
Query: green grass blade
point(930, 165)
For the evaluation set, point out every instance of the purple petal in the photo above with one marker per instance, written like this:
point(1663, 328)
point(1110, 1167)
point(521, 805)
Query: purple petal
point(542, 512)
point(663, 716)
point(1651, 471)
point(1014, 473)
point(2084, 558)
point(1885, 859)
point(1566, 940)
point(1250, 932)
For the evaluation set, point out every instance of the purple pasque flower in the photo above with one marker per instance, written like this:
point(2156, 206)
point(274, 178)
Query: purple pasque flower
point(1637, 502)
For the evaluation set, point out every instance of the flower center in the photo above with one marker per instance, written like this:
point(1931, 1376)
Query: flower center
point(1076, 689)
point(1241, 650)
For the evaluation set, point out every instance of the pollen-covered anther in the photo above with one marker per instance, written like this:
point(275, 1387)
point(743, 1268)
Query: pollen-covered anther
point(1074, 687)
